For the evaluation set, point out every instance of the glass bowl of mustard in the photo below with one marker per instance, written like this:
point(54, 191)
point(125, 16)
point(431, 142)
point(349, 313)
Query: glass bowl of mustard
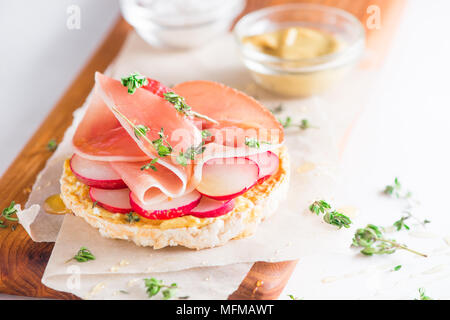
point(299, 50)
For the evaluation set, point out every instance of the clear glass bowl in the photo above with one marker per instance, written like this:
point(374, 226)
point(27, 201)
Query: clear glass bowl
point(301, 77)
point(180, 23)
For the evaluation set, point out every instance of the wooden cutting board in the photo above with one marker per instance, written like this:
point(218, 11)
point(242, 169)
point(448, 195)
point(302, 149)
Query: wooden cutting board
point(22, 261)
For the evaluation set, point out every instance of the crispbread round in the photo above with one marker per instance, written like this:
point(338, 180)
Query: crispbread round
point(251, 208)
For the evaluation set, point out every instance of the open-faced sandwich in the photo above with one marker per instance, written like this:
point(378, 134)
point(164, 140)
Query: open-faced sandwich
point(195, 165)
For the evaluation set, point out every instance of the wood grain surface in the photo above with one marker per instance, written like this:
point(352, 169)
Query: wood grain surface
point(22, 261)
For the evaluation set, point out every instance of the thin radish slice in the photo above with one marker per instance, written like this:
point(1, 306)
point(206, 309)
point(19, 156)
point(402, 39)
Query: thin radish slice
point(117, 201)
point(268, 163)
point(210, 208)
point(97, 174)
point(169, 209)
point(227, 178)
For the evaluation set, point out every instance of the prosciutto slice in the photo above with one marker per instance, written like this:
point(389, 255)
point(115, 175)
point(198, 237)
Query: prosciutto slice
point(107, 133)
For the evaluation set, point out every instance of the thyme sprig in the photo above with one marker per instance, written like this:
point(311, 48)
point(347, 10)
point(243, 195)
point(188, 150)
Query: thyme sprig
point(154, 286)
point(134, 81)
point(422, 295)
point(400, 224)
point(371, 240)
point(83, 255)
point(181, 106)
point(132, 217)
point(52, 145)
point(303, 125)
point(9, 211)
point(332, 217)
point(150, 165)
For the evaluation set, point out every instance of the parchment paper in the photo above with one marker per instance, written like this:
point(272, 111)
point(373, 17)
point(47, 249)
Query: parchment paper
point(293, 232)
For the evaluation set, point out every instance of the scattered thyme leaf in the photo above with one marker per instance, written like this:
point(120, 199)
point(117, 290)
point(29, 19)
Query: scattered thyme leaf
point(154, 286)
point(254, 143)
point(52, 145)
point(150, 165)
point(422, 295)
point(134, 81)
point(190, 153)
point(140, 130)
point(124, 291)
point(293, 297)
point(183, 297)
point(396, 268)
point(94, 204)
point(2, 224)
point(206, 134)
point(163, 149)
point(304, 124)
point(83, 255)
point(9, 211)
point(132, 218)
point(397, 190)
point(400, 224)
point(286, 123)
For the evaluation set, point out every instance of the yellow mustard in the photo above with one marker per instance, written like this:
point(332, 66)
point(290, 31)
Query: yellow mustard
point(297, 46)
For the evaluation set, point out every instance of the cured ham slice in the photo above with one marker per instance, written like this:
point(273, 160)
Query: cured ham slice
point(101, 137)
point(232, 108)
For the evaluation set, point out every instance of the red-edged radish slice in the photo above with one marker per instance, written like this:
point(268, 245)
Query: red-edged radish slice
point(227, 178)
point(210, 208)
point(169, 209)
point(117, 201)
point(268, 163)
point(97, 174)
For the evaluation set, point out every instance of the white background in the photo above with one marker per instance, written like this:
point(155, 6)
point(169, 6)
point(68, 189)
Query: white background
point(404, 131)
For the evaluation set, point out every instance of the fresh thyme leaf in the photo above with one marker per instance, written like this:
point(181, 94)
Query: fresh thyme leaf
point(396, 268)
point(83, 255)
point(2, 225)
point(94, 204)
point(124, 291)
point(319, 206)
point(304, 124)
point(400, 224)
point(9, 211)
point(293, 297)
point(286, 123)
point(206, 134)
point(190, 153)
point(181, 106)
point(134, 81)
point(154, 286)
point(422, 295)
point(132, 218)
point(52, 145)
point(183, 297)
point(150, 165)
point(182, 159)
point(371, 241)
point(426, 221)
point(140, 130)
point(254, 143)
point(337, 219)
point(397, 190)
point(162, 149)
